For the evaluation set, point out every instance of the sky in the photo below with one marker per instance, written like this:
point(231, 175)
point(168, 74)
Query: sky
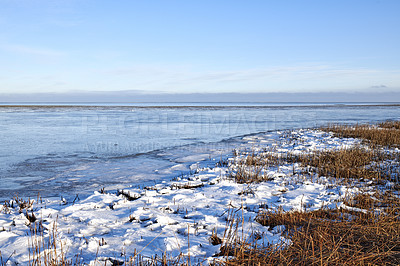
point(207, 46)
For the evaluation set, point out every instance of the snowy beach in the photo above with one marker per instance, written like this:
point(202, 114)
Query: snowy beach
point(181, 216)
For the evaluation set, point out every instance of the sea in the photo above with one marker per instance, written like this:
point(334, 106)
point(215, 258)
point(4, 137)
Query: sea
point(69, 150)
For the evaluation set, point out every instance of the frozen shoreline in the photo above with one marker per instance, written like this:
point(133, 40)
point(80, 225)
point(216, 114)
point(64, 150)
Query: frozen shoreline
point(105, 227)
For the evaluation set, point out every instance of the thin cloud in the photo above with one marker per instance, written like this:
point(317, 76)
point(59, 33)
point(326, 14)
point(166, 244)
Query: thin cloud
point(28, 50)
point(275, 73)
point(136, 71)
point(182, 76)
point(379, 87)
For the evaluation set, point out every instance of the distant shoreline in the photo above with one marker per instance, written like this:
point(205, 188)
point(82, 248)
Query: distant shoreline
point(197, 105)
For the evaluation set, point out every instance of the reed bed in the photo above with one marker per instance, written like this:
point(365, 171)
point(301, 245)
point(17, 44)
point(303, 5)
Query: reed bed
point(356, 163)
point(382, 134)
point(330, 237)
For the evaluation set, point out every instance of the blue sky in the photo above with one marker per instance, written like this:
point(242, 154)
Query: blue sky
point(199, 46)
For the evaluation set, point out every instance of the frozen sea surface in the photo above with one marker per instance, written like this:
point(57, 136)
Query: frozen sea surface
point(67, 150)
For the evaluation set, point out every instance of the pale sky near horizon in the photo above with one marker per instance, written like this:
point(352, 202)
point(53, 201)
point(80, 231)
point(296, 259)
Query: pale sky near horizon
point(199, 46)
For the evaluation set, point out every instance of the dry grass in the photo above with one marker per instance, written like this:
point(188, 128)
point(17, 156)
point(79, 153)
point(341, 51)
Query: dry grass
point(330, 237)
point(245, 174)
point(187, 185)
point(390, 124)
point(356, 163)
point(164, 260)
point(251, 168)
point(383, 134)
point(48, 250)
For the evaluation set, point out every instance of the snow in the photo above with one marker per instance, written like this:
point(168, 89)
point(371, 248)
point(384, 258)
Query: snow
point(170, 215)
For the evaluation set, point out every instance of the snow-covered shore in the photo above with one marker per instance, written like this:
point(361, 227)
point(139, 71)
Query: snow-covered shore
point(177, 216)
